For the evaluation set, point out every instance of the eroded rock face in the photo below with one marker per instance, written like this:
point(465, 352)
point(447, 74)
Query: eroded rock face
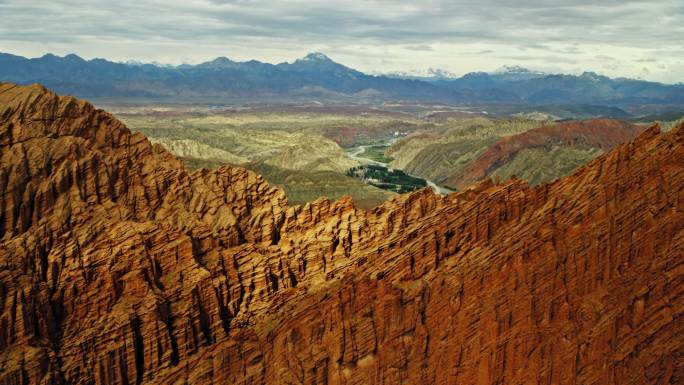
point(119, 267)
point(599, 135)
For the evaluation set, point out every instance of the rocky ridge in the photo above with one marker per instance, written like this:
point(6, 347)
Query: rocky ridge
point(188, 148)
point(120, 267)
point(554, 149)
point(438, 152)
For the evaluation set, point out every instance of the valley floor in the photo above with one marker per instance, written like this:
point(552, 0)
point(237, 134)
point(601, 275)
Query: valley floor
point(325, 151)
point(367, 154)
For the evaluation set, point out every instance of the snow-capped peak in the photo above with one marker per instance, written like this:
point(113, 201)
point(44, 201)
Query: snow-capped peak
point(316, 56)
point(514, 70)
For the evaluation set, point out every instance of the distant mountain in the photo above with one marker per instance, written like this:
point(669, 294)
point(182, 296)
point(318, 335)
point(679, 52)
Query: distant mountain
point(221, 79)
point(429, 75)
point(514, 73)
point(506, 73)
point(587, 88)
point(318, 77)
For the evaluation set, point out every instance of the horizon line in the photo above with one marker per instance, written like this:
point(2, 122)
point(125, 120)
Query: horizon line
point(416, 74)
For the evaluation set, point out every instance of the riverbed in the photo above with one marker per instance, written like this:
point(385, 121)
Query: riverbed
point(355, 152)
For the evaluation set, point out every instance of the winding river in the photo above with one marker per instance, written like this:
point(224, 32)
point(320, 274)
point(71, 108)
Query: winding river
point(355, 152)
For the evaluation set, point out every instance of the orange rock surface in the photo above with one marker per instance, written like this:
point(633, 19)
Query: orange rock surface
point(117, 266)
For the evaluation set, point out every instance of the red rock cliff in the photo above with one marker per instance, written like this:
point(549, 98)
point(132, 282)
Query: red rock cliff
point(119, 267)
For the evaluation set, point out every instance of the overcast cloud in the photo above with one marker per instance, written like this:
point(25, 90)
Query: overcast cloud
point(640, 39)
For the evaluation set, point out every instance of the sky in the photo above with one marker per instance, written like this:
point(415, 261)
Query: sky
point(617, 38)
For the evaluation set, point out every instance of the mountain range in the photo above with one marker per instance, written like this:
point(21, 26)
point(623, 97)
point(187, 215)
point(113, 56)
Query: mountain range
point(119, 266)
point(317, 77)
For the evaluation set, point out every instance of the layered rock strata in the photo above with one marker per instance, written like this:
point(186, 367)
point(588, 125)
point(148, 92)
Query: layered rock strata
point(558, 147)
point(117, 266)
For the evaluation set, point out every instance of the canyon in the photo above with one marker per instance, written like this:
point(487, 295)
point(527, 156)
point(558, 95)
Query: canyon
point(467, 151)
point(120, 266)
point(291, 148)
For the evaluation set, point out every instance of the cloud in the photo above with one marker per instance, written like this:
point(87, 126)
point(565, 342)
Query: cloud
point(422, 47)
point(442, 31)
point(605, 58)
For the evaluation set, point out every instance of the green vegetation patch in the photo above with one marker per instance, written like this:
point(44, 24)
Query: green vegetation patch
point(376, 153)
point(387, 179)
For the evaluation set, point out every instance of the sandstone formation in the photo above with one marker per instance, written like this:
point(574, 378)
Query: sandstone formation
point(546, 152)
point(188, 148)
point(117, 266)
point(449, 144)
point(285, 149)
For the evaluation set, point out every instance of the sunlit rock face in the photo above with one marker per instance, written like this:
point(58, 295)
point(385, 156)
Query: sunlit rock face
point(120, 267)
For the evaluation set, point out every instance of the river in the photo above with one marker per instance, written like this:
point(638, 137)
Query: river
point(354, 152)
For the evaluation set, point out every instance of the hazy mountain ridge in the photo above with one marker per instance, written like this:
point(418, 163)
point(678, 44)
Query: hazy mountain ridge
point(552, 89)
point(318, 76)
point(221, 78)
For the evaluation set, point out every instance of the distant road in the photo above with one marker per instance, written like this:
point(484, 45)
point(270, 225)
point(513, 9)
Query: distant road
point(354, 153)
point(358, 150)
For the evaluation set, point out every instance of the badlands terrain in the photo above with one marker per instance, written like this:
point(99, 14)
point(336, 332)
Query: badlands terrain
point(311, 151)
point(457, 155)
point(297, 149)
point(120, 265)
